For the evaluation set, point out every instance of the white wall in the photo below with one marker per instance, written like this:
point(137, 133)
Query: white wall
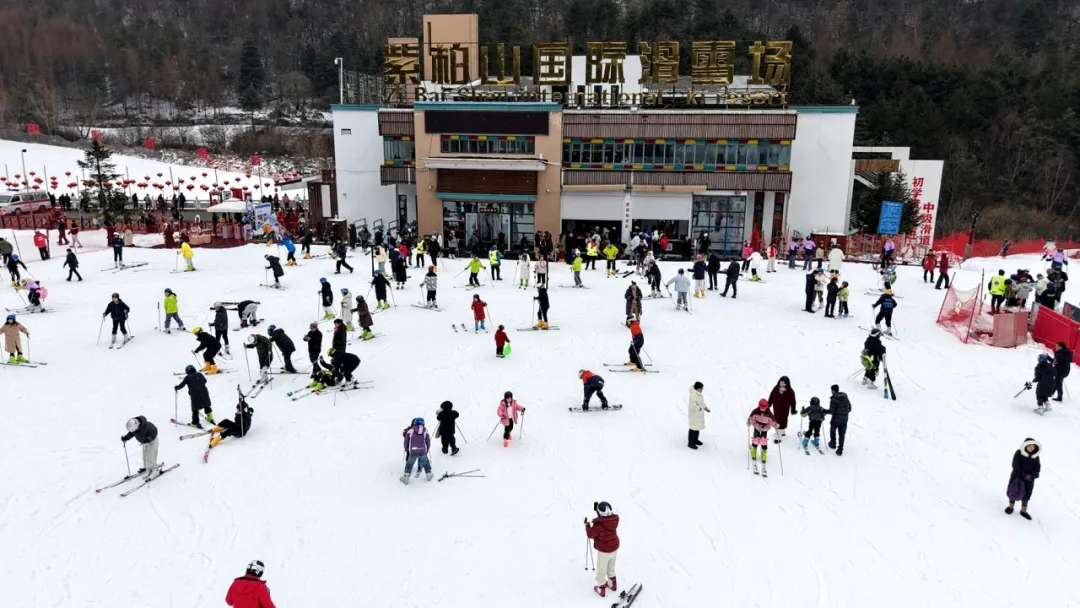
point(821, 172)
point(606, 206)
point(357, 158)
point(661, 206)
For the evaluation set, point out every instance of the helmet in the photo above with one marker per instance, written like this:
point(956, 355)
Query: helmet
point(116, 234)
point(197, 330)
point(378, 272)
point(580, 373)
point(15, 257)
point(322, 279)
point(875, 332)
point(699, 256)
point(116, 295)
point(815, 401)
point(167, 290)
point(189, 369)
point(1043, 358)
point(418, 422)
point(330, 352)
point(344, 290)
point(602, 508)
point(271, 329)
point(132, 425)
point(508, 395)
point(250, 340)
point(256, 568)
point(763, 404)
point(217, 304)
point(888, 292)
point(446, 405)
point(267, 256)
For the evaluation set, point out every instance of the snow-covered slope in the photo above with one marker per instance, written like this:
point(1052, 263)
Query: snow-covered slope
point(910, 514)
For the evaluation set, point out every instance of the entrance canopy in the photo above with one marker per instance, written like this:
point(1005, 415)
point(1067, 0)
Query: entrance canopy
point(485, 164)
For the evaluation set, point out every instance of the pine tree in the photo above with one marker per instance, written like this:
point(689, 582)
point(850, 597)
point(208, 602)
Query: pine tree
point(252, 78)
point(111, 201)
point(887, 187)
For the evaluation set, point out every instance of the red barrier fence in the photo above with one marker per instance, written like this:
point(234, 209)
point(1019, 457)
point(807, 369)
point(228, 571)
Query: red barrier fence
point(983, 248)
point(1051, 327)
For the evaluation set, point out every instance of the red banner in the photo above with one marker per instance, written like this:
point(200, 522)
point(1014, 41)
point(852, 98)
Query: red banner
point(95, 135)
point(32, 128)
point(255, 160)
point(201, 153)
point(149, 143)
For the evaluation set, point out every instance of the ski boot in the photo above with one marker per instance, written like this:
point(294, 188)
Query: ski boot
point(404, 479)
point(367, 335)
point(12, 360)
point(430, 475)
point(327, 315)
point(214, 441)
point(213, 370)
point(539, 325)
point(307, 256)
point(206, 366)
point(454, 451)
point(316, 386)
point(227, 350)
point(600, 590)
point(614, 585)
point(348, 327)
point(210, 417)
point(127, 339)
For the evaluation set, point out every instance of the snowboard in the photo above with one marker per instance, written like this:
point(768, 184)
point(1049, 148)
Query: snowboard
point(611, 407)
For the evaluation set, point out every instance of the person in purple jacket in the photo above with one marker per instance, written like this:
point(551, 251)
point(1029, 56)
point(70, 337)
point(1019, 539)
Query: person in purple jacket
point(417, 444)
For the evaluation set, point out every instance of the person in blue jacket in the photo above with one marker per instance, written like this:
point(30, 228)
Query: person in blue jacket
point(290, 260)
point(117, 244)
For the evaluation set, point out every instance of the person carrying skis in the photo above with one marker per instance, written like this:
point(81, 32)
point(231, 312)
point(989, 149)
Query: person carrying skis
point(475, 266)
point(782, 401)
point(696, 412)
point(13, 264)
point(699, 270)
point(172, 312)
point(72, 264)
point(347, 308)
point(842, 295)
point(633, 302)
point(816, 414)
point(237, 427)
point(380, 284)
point(593, 385)
point(248, 311)
point(762, 421)
point(508, 415)
point(340, 251)
point(1026, 467)
point(731, 280)
point(285, 345)
point(212, 347)
point(250, 591)
point(143, 431)
point(200, 396)
point(839, 409)
point(118, 310)
point(275, 265)
point(447, 418)
point(495, 260)
point(832, 290)
point(417, 443)
point(713, 268)
point(605, 536)
point(524, 264)
point(364, 318)
point(264, 350)
point(314, 344)
point(542, 271)
point(343, 363)
point(637, 342)
point(611, 252)
point(340, 335)
point(431, 285)
point(873, 354)
point(185, 250)
point(682, 287)
point(326, 294)
point(501, 340)
point(887, 303)
point(575, 267)
point(478, 306)
point(221, 325)
point(12, 343)
point(117, 244)
point(290, 249)
point(1063, 359)
point(1044, 383)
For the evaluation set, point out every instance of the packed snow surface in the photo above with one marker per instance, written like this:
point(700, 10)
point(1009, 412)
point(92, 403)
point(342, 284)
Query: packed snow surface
point(912, 513)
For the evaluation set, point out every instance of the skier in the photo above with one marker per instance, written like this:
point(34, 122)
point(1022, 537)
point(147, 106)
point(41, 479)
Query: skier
point(832, 291)
point(1044, 383)
point(633, 302)
point(1063, 358)
point(172, 311)
point(5, 250)
point(347, 308)
point(653, 273)
point(637, 342)
point(1026, 467)
point(542, 271)
point(200, 397)
point(943, 271)
point(290, 250)
point(475, 266)
point(997, 291)
point(380, 284)
point(478, 306)
point(36, 294)
point(13, 264)
point(836, 259)
point(610, 253)
point(417, 443)
point(12, 343)
point(275, 265)
point(696, 412)
point(593, 384)
point(682, 287)
point(340, 336)
point(731, 280)
point(211, 345)
point(340, 250)
point(221, 325)
point(713, 268)
point(699, 270)
point(285, 345)
point(237, 427)
point(364, 317)
point(501, 340)
point(72, 264)
point(782, 400)
point(118, 310)
point(248, 311)
point(185, 250)
point(447, 418)
point(524, 265)
point(816, 414)
point(508, 415)
point(873, 354)
point(605, 536)
point(887, 304)
point(575, 267)
point(264, 350)
point(143, 431)
point(431, 284)
point(495, 259)
point(326, 292)
point(117, 244)
point(839, 409)
point(762, 420)
point(305, 243)
point(250, 591)
point(314, 344)
point(843, 295)
point(343, 363)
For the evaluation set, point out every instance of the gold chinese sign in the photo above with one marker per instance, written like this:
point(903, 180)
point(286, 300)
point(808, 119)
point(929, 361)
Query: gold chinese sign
point(710, 81)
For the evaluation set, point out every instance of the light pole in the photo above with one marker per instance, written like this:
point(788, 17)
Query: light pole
point(26, 176)
point(340, 63)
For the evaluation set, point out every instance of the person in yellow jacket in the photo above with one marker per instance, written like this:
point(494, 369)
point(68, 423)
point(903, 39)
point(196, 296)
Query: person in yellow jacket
point(419, 251)
point(172, 311)
point(185, 250)
point(475, 266)
point(997, 292)
point(610, 253)
point(576, 267)
point(592, 251)
point(495, 259)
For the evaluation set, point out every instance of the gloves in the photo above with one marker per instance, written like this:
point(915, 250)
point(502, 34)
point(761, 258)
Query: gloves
point(586, 521)
point(1027, 385)
point(1027, 477)
point(123, 439)
point(176, 388)
point(793, 410)
point(522, 410)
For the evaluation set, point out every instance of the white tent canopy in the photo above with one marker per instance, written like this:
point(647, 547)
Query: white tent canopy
point(230, 206)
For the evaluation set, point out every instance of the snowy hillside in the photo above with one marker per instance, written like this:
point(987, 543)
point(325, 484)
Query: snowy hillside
point(911, 514)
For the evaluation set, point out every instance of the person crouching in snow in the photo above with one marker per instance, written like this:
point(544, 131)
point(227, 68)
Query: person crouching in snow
point(1025, 470)
point(237, 427)
point(782, 400)
point(762, 420)
point(816, 413)
point(250, 591)
point(604, 532)
point(478, 306)
point(417, 443)
point(501, 340)
point(508, 415)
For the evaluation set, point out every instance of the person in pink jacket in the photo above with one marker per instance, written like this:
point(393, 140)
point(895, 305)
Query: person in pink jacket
point(508, 415)
point(746, 251)
point(762, 421)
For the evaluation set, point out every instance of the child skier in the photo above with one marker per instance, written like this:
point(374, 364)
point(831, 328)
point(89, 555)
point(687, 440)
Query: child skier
point(185, 250)
point(508, 415)
point(576, 268)
point(237, 427)
point(542, 271)
point(524, 265)
point(653, 273)
point(13, 264)
point(604, 533)
point(593, 384)
point(501, 340)
point(118, 310)
point(346, 308)
point(542, 306)
point(682, 287)
point(417, 443)
point(221, 325)
point(172, 312)
point(363, 315)
point(872, 355)
point(290, 248)
point(431, 284)
point(275, 265)
point(380, 284)
point(782, 400)
point(887, 304)
point(478, 306)
point(447, 418)
point(819, 286)
point(143, 431)
point(699, 270)
point(211, 345)
point(1044, 383)
point(264, 349)
point(12, 344)
point(762, 420)
point(475, 266)
point(832, 290)
point(637, 342)
point(816, 414)
point(842, 296)
point(326, 292)
point(200, 397)
point(1025, 470)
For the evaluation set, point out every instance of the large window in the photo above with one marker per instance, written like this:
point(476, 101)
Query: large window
point(489, 144)
point(676, 155)
point(723, 218)
point(486, 220)
point(399, 151)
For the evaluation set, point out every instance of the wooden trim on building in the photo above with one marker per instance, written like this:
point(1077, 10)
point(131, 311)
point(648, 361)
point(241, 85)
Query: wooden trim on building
point(779, 181)
point(680, 125)
point(396, 123)
point(876, 165)
point(486, 182)
point(389, 175)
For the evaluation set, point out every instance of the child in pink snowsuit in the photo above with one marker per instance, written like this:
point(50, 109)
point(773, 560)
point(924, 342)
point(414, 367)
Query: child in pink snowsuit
point(508, 415)
point(762, 420)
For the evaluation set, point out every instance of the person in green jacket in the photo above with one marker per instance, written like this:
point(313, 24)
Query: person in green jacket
point(610, 253)
point(576, 267)
point(475, 266)
point(842, 296)
point(495, 259)
point(172, 310)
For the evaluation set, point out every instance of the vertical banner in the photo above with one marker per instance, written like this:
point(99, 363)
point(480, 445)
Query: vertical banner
point(627, 217)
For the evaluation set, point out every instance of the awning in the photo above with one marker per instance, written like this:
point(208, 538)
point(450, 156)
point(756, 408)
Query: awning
point(229, 206)
point(485, 164)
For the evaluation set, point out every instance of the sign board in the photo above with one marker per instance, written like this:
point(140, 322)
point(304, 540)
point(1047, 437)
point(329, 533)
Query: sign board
point(149, 143)
point(32, 128)
point(889, 220)
point(255, 160)
point(264, 215)
point(96, 135)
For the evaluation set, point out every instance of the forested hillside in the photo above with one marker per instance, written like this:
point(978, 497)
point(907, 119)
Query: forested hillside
point(991, 86)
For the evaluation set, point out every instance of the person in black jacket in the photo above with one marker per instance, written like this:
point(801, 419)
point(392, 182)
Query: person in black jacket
point(72, 263)
point(340, 337)
point(248, 310)
point(143, 431)
point(314, 344)
point(1044, 383)
point(221, 325)
point(872, 354)
point(447, 418)
point(340, 250)
point(811, 282)
point(542, 306)
point(326, 293)
point(1025, 470)
point(380, 284)
point(285, 345)
point(1063, 359)
point(275, 265)
point(200, 397)
point(211, 345)
point(830, 298)
point(264, 349)
point(816, 413)
point(839, 409)
point(118, 249)
point(714, 270)
point(887, 303)
point(118, 310)
point(732, 280)
point(343, 363)
point(305, 243)
point(433, 249)
point(237, 427)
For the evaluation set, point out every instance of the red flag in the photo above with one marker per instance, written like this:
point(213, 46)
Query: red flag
point(32, 128)
point(149, 143)
point(95, 135)
point(201, 153)
point(255, 160)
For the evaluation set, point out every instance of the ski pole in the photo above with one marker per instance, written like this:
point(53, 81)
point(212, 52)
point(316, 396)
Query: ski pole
point(392, 298)
point(196, 357)
point(522, 436)
point(748, 447)
point(28, 349)
point(462, 434)
point(780, 449)
point(126, 460)
point(318, 310)
point(247, 363)
point(492, 431)
point(98, 342)
point(586, 551)
point(158, 317)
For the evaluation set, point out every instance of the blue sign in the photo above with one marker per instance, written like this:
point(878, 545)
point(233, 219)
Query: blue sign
point(889, 221)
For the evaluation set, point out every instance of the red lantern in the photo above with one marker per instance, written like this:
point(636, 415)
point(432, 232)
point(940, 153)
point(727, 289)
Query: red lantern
point(73, 184)
point(256, 186)
point(267, 184)
point(214, 185)
point(32, 174)
point(17, 176)
point(248, 174)
point(67, 173)
point(108, 184)
point(147, 178)
point(181, 180)
point(204, 187)
point(191, 186)
point(245, 187)
point(204, 175)
point(159, 174)
point(168, 183)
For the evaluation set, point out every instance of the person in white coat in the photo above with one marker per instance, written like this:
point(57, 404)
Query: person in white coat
point(381, 258)
point(836, 259)
point(347, 308)
point(696, 413)
point(522, 270)
point(755, 264)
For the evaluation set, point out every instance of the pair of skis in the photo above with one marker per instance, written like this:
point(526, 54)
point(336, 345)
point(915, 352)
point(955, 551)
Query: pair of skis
point(425, 307)
point(27, 364)
point(308, 391)
point(123, 343)
point(146, 479)
point(625, 368)
point(461, 474)
point(548, 328)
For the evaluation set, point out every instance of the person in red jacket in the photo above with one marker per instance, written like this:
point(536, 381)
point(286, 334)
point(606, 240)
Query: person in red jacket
point(478, 316)
point(929, 263)
point(501, 340)
point(42, 244)
point(943, 270)
point(604, 533)
point(782, 400)
point(250, 591)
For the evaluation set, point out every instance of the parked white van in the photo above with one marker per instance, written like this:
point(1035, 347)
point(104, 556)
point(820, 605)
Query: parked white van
point(24, 202)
